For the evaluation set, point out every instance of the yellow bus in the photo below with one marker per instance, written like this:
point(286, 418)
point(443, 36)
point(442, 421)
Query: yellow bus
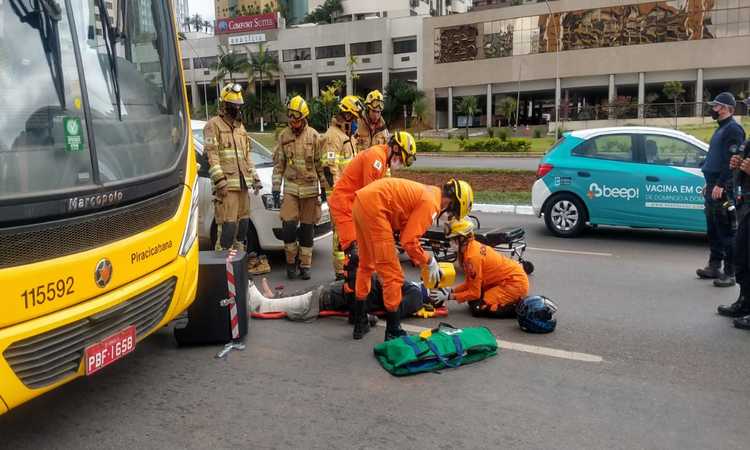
point(98, 202)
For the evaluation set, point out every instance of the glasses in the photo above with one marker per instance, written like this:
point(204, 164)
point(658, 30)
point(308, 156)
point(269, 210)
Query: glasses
point(294, 115)
point(376, 105)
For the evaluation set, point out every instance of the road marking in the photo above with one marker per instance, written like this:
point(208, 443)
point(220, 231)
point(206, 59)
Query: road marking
point(568, 252)
point(525, 348)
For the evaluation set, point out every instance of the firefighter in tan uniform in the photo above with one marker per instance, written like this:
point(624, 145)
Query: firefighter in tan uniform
point(231, 169)
point(297, 163)
point(338, 148)
point(371, 129)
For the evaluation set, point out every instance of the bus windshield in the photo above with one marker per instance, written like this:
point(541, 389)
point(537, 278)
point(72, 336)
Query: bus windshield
point(90, 94)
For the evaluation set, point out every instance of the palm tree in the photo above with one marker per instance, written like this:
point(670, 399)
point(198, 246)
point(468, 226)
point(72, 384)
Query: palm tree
point(507, 108)
point(262, 65)
point(197, 22)
point(228, 64)
point(468, 106)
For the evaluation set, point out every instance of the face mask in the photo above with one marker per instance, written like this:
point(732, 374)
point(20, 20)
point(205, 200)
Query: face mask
point(714, 114)
point(231, 112)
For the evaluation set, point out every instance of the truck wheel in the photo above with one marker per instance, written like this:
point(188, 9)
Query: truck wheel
point(565, 215)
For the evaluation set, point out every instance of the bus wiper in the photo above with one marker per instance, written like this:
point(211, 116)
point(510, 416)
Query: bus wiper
point(45, 16)
point(110, 43)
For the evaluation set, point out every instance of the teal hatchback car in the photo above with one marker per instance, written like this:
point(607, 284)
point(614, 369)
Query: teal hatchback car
point(626, 176)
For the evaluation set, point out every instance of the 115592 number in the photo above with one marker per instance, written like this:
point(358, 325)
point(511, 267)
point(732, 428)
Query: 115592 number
point(53, 290)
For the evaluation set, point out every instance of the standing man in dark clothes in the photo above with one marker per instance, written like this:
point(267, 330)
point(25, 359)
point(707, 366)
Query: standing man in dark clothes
point(740, 309)
point(718, 192)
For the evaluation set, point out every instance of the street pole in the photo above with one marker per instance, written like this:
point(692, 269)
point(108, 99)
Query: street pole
point(518, 93)
point(557, 64)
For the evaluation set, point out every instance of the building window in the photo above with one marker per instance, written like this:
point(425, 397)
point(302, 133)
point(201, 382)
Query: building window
point(185, 63)
point(366, 48)
point(205, 62)
point(273, 54)
point(330, 51)
point(614, 26)
point(407, 46)
point(296, 54)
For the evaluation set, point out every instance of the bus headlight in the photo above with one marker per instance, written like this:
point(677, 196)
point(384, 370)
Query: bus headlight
point(191, 230)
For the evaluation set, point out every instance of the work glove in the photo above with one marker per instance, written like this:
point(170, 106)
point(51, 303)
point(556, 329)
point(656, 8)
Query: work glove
point(434, 268)
point(276, 199)
point(425, 312)
point(439, 296)
point(323, 197)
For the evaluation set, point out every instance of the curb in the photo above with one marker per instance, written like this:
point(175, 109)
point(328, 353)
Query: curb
point(522, 210)
point(481, 155)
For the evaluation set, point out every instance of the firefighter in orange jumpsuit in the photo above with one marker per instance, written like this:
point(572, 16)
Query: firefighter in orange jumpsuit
point(368, 166)
point(380, 209)
point(494, 284)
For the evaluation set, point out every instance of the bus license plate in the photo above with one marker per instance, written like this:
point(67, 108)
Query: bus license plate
point(104, 353)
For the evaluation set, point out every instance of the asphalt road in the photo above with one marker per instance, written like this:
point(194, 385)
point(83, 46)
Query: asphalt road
point(477, 161)
point(659, 370)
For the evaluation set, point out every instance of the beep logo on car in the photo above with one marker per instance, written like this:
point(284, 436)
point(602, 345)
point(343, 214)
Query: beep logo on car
point(595, 191)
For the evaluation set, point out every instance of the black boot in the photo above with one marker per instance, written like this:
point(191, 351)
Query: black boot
point(743, 323)
point(361, 324)
point(737, 309)
point(725, 280)
point(709, 272)
point(393, 328)
point(304, 273)
point(291, 271)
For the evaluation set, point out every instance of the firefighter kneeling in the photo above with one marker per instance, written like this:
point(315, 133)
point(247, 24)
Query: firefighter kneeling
point(494, 284)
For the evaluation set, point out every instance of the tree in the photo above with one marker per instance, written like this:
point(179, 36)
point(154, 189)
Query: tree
point(197, 21)
point(398, 94)
point(267, 8)
point(208, 25)
point(673, 90)
point(506, 108)
point(419, 111)
point(228, 64)
point(323, 107)
point(187, 23)
point(263, 66)
point(468, 106)
point(326, 12)
point(351, 65)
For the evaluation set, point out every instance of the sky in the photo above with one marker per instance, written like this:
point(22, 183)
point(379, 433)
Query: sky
point(203, 7)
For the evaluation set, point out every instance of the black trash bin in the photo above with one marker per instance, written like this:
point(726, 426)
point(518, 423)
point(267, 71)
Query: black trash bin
point(208, 320)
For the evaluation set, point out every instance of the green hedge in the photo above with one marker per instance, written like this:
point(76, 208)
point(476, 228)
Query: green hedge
point(496, 145)
point(429, 146)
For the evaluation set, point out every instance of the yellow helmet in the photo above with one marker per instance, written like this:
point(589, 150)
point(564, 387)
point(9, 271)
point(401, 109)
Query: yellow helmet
point(461, 197)
point(375, 100)
point(353, 105)
point(407, 145)
point(297, 108)
point(462, 228)
point(232, 93)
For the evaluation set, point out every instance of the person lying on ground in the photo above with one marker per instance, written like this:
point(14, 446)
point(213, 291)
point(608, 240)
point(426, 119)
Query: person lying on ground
point(331, 297)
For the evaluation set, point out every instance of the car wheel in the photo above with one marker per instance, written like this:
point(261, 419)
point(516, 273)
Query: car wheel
point(565, 215)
